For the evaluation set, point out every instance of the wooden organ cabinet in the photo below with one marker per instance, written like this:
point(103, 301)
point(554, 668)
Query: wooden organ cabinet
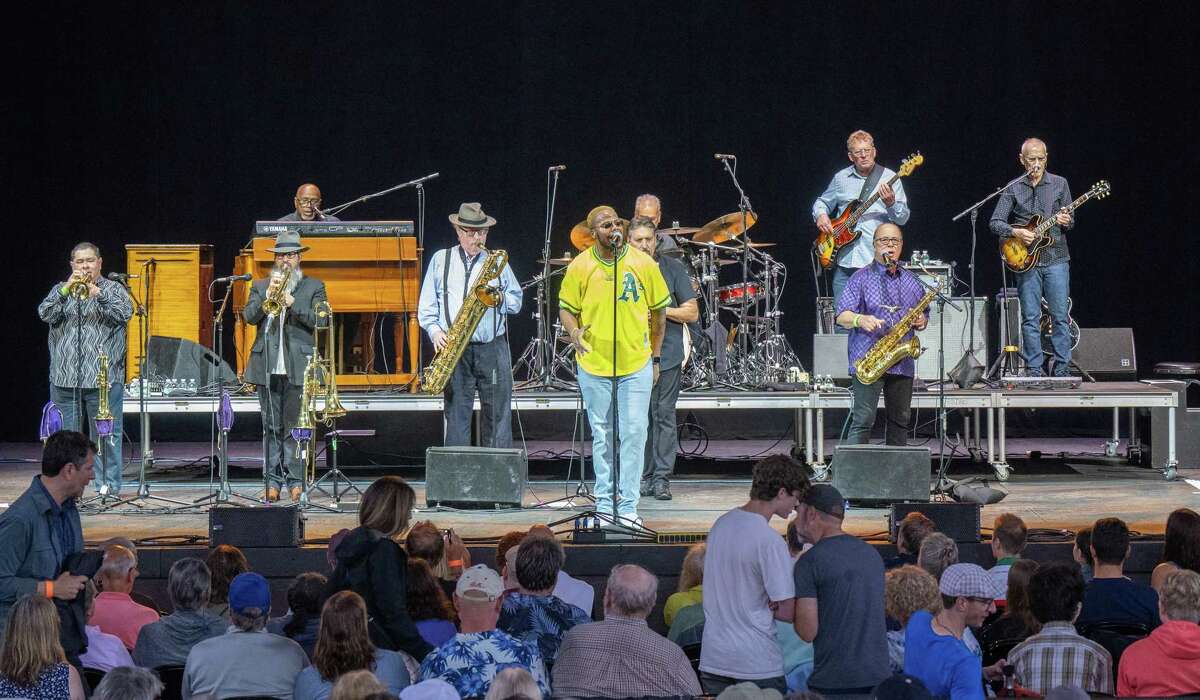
point(177, 277)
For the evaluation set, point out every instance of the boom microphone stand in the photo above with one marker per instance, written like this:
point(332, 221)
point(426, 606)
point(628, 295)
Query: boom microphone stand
point(745, 208)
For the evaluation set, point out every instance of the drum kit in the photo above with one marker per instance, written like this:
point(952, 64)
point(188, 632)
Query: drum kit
point(737, 343)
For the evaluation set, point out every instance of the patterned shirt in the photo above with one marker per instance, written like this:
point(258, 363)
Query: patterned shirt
point(470, 662)
point(845, 187)
point(81, 330)
point(542, 620)
point(53, 684)
point(1022, 200)
point(872, 291)
point(621, 658)
point(1058, 655)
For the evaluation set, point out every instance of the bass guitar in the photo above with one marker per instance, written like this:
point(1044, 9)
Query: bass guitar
point(1019, 257)
point(843, 234)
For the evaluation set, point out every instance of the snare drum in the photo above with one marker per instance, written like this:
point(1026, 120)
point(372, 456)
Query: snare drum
point(737, 293)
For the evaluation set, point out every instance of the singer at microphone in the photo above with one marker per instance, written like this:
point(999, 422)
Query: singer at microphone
point(308, 205)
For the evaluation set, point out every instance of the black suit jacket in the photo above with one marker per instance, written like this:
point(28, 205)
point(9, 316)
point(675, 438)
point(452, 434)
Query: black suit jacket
point(301, 319)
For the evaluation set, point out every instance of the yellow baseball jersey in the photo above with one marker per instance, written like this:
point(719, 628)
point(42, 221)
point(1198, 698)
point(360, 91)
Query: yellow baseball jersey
point(587, 292)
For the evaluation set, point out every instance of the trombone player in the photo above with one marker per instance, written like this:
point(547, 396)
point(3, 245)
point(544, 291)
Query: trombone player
point(284, 309)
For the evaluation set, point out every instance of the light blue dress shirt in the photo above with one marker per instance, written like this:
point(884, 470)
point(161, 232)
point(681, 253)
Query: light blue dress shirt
point(842, 190)
point(438, 303)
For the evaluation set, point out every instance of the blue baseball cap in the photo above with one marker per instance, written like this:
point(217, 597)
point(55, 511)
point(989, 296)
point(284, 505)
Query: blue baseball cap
point(249, 590)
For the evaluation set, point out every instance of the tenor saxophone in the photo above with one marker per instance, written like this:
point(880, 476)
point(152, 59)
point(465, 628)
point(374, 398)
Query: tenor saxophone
point(484, 297)
point(892, 347)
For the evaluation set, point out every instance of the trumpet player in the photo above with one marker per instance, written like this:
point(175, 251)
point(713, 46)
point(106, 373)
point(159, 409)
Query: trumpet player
point(874, 299)
point(88, 315)
point(283, 308)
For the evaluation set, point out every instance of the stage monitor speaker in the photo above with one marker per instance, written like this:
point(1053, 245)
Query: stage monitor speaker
point(829, 355)
point(881, 474)
point(180, 358)
point(1107, 353)
point(958, 521)
point(481, 476)
point(278, 526)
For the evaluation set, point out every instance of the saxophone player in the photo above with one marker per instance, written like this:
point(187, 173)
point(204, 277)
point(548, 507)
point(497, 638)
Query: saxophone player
point(284, 309)
point(874, 299)
point(486, 363)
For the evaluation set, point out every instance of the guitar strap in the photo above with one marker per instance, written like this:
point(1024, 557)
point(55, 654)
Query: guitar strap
point(869, 184)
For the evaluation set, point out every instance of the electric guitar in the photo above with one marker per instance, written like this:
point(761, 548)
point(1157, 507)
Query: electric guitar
point(1019, 257)
point(843, 234)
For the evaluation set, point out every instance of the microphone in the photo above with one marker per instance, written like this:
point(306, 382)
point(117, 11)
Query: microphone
point(559, 168)
point(121, 277)
point(887, 260)
point(724, 156)
point(616, 239)
point(233, 278)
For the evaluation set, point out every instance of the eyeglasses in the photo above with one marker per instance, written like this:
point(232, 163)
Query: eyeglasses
point(888, 241)
point(981, 601)
point(473, 231)
point(308, 202)
point(860, 152)
point(611, 223)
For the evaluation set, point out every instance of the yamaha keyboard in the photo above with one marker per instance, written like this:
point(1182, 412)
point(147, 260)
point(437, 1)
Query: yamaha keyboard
point(368, 229)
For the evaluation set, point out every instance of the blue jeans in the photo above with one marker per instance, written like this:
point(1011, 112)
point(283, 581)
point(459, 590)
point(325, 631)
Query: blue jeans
point(841, 275)
point(1052, 283)
point(633, 410)
point(109, 462)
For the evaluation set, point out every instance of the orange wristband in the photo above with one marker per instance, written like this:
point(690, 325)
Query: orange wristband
point(49, 589)
point(455, 563)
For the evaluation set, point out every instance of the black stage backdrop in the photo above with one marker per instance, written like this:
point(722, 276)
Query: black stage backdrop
point(160, 122)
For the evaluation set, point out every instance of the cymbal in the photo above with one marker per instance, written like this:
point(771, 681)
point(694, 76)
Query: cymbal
point(581, 236)
point(565, 260)
point(724, 228)
point(678, 231)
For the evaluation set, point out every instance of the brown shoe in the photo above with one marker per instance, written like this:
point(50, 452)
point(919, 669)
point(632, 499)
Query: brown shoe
point(272, 494)
point(296, 494)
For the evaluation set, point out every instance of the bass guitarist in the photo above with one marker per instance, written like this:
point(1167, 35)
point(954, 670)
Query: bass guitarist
point(858, 182)
point(1040, 193)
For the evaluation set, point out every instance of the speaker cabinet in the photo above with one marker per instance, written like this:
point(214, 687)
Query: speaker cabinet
point(879, 474)
point(180, 358)
point(277, 526)
point(958, 521)
point(481, 476)
point(829, 355)
point(1107, 353)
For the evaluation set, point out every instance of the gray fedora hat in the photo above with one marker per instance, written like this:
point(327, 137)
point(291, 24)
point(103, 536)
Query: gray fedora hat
point(288, 242)
point(470, 215)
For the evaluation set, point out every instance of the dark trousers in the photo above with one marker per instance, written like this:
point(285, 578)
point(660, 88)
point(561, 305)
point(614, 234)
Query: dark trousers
point(897, 407)
point(486, 368)
point(279, 401)
point(714, 684)
point(662, 437)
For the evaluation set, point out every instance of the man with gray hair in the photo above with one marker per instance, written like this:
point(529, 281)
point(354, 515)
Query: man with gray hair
point(246, 661)
point(129, 683)
point(116, 613)
point(621, 657)
point(168, 641)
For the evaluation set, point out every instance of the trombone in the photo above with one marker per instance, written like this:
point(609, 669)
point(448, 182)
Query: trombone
point(320, 379)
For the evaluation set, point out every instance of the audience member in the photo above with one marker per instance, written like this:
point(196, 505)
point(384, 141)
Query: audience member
point(1017, 622)
point(910, 533)
point(1082, 552)
point(115, 611)
point(443, 550)
point(906, 589)
point(304, 612)
point(533, 613)
point(104, 651)
point(934, 649)
point(839, 599)
point(129, 683)
point(344, 645)
point(169, 641)
point(691, 584)
point(1168, 661)
point(748, 583)
point(41, 528)
point(245, 661)
point(1111, 597)
point(938, 552)
point(1181, 545)
point(567, 588)
point(373, 565)
point(621, 657)
point(508, 541)
point(514, 684)
point(471, 660)
point(1008, 541)
point(432, 689)
point(225, 563)
point(1057, 655)
point(32, 662)
point(797, 653)
point(358, 685)
point(430, 609)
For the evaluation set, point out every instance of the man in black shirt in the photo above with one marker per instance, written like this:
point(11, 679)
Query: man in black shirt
point(662, 440)
point(308, 205)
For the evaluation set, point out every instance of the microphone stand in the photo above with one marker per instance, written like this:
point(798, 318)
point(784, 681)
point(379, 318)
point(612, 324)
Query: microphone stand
point(335, 210)
point(745, 208)
point(538, 357)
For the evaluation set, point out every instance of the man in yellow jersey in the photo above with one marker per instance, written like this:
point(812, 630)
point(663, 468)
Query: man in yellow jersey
point(620, 345)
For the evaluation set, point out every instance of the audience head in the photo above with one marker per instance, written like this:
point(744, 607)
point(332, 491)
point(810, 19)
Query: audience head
point(1182, 540)
point(968, 593)
point(68, 459)
point(425, 541)
point(357, 685)
point(225, 563)
point(477, 598)
point(1179, 597)
point(539, 560)
point(432, 689)
point(425, 598)
point(1082, 551)
point(507, 541)
point(1017, 597)
point(938, 552)
point(912, 531)
point(189, 584)
point(1008, 535)
point(820, 512)
point(780, 481)
point(129, 683)
point(249, 602)
point(343, 643)
point(304, 600)
point(691, 574)
point(1056, 592)
point(795, 541)
point(631, 592)
point(30, 640)
point(906, 590)
point(119, 570)
point(387, 505)
point(1110, 541)
point(513, 683)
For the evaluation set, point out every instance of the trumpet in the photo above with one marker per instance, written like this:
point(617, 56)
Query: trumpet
point(273, 304)
point(77, 286)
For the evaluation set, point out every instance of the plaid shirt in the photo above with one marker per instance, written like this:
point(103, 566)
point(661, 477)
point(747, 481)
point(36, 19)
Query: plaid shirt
point(1021, 201)
point(621, 658)
point(1058, 655)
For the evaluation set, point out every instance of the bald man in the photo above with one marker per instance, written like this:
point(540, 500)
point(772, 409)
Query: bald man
point(308, 205)
point(648, 206)
point(116, 613)
point(1045, 194)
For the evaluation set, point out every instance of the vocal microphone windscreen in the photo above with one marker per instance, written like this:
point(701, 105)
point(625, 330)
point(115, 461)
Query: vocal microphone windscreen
point(616, 239)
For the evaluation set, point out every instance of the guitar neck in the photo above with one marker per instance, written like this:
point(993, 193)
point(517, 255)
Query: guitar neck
point(870, 201)
point(1050, 221)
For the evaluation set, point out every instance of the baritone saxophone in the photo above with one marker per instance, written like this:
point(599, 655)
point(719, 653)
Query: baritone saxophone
point(482, 298)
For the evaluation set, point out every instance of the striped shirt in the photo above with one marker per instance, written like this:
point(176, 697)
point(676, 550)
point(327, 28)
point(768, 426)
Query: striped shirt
point(1058, 655)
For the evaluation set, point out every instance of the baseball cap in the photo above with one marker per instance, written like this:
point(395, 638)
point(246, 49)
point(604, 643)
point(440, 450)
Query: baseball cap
point(479, 583)
point(249, 590)
point(901, 687)
point(968, 581)
point(825, 498)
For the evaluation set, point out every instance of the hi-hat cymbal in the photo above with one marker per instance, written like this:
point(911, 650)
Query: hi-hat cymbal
point(725, 228)
point(581, 236)
point(565, 260)
point(678, 231)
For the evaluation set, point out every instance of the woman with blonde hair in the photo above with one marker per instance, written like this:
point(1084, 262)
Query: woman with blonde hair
point(691, 584)
point(32, 662)
point(906, 589)
point(343, 646)
point(357, 685)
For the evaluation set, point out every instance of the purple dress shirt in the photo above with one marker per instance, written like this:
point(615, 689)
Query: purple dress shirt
point(872, 291)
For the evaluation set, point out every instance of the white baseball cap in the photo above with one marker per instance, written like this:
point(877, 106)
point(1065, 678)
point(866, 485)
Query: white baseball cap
point(479, 583)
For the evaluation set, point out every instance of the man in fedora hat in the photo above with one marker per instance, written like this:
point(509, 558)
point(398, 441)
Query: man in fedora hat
point(308, 205)
point(278, 358)
point(486, 363)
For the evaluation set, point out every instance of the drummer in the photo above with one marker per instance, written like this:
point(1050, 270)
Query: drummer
point(649, 207)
